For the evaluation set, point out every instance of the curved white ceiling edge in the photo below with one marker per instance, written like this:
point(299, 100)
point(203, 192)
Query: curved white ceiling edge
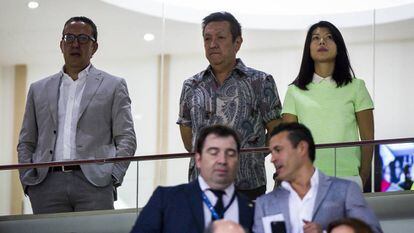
point(271, 21)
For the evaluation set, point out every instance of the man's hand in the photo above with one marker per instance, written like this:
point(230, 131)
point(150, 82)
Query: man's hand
point(311, 227)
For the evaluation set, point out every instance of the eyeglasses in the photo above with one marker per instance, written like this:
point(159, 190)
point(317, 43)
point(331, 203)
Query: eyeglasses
point(82, 38)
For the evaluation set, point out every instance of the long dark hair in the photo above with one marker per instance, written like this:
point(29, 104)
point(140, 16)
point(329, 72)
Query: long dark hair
point(343, 72)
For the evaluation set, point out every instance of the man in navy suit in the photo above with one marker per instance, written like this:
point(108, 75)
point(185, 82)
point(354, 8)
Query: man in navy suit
point(189, 208)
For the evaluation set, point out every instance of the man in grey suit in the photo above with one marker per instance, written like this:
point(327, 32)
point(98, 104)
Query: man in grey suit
point(307, 200)
point(79, 113)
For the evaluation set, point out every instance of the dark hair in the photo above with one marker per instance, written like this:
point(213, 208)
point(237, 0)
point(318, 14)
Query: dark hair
point(357, 225)
point(297, 133)
point(219, 130)
point(235, 26)
point(84, 20)
point(343, 72)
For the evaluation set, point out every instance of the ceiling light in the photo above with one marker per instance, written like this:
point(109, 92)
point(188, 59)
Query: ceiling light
point(149, 37)
point(33, 4)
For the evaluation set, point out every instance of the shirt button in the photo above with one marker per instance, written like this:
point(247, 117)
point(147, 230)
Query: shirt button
point(51, 151)
point(54, 131)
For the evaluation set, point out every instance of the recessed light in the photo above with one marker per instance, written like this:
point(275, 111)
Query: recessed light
point(33, 4)
point(149, 37)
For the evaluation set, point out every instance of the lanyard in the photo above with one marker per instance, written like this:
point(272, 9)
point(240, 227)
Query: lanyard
point(211, 207)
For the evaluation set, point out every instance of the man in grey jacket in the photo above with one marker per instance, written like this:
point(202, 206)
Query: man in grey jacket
point(79, 113)
point(307, 200)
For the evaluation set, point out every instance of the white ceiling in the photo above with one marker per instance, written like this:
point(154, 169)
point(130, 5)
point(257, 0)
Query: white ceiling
point(32, 36)
point(277, 14)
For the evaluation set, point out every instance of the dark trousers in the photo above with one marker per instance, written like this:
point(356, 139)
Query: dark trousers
point(68, 192)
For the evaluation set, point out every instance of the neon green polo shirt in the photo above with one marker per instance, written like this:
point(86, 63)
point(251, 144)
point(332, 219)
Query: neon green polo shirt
point(329, 112)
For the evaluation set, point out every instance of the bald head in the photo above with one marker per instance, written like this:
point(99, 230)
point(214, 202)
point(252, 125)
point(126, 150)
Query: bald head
point(224, 226)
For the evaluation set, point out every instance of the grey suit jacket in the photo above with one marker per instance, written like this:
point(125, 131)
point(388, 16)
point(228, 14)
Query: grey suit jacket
point(104, 130)
point(336, 198)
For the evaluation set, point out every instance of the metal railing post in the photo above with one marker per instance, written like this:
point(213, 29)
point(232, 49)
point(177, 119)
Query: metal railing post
point(137, 186)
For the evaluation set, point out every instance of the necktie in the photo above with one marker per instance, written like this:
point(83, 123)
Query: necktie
point(218, 207)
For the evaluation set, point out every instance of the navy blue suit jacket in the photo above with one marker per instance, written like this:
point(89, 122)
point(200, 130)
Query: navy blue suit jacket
point(179, 209)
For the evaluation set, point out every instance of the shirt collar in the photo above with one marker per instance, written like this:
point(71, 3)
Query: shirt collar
point(82, 75)
point(318, 79)
point(314, 182)
point(239, 67)
point(205, 187)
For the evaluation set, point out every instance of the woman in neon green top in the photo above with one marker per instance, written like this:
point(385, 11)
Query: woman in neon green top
point(336, 106)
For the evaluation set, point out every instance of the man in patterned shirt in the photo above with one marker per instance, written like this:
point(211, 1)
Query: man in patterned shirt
point(231, 94)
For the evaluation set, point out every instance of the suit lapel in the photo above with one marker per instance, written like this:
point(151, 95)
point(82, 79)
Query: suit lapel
point(196, 204)
point(52, 88)
point(283, 202)
point(245, 210)
point(93, 81)
point(324, 184)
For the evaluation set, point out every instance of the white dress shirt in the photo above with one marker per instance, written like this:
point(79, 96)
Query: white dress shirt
point(70, 96)
point(302, 209)
point(232, 213)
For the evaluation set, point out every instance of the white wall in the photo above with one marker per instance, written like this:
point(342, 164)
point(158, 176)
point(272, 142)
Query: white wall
point(6, 134)
point(394, 96)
